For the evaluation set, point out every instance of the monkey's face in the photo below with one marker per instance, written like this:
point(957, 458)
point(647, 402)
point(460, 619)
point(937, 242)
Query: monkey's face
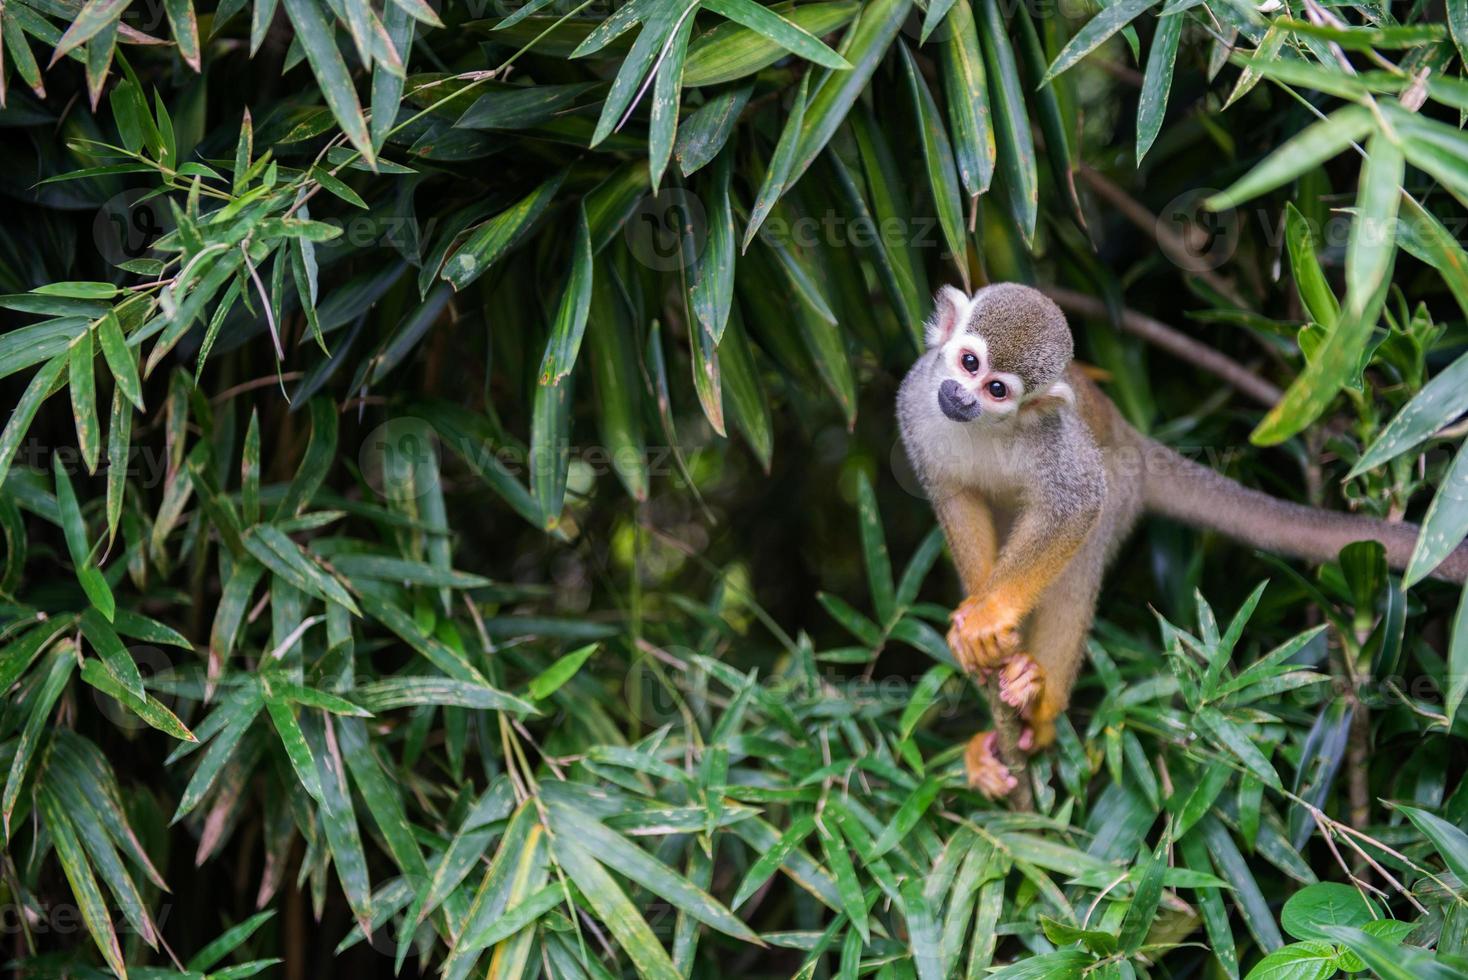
point(969, 387)
point(990, 354)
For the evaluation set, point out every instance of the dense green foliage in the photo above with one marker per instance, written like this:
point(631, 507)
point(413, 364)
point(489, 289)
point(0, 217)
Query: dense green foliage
point(448, 488)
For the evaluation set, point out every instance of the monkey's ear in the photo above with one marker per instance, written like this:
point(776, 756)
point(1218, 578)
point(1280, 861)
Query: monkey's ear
point(1058, 395)
point(950, 308)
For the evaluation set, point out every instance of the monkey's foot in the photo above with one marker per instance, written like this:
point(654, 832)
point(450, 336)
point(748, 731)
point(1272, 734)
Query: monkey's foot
point(985, 634)
point(1021, 681)
point(985, 772)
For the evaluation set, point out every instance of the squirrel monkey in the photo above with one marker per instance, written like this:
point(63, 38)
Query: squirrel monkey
point(1037, 479)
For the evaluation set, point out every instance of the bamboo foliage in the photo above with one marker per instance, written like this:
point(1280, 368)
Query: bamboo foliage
point(488, 388)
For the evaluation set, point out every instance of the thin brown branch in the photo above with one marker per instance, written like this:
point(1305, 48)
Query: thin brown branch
point(1008, 726)
point(254, 383)
point(1173, 341)
point(1170, 240)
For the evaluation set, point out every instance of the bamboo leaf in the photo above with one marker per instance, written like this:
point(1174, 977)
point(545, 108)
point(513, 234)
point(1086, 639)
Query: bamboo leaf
point(1016, 148)
point(1097, 30)
point(781, 163)
point(612, 907)
point(967, 89)
point(318, 39)
point(570, 322)
point(942, 174)
point(863, 46)
point(1157, 78)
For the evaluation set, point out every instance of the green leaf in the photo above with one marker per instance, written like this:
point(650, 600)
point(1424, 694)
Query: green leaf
point(711, 293)
point(89, 21)
point(781, 162)
point(570, 323)
point(490, 242)
point(78, 290)
point(1157, 78)
point(83, 883)
point(19, 423)
point(115, 656)
point(863, 46)
point(707, 129)
point(1254, 910)
point(906, 817)
point(661, 27)
point(1147, 894)
point(1016, 147)
point(227, 942)
point(731, 51)
point(1393, 961)
point(83, 385)
point(666, 96)
point(1097, 30)
point(740, 379)
point(1310, 282)
point(1369, 256)
point(1457, 11)
point(1215, 914)
point(336, 187)
point(402, 692)
point(524, 914)
point(185, 32)
point(271, 548)
point(1304, 151)
point(1233, 738)
point(938, 155)
point(78, 546)
point(1458, 659)
point(1444, 527)
point(148, 708)
point(1450, 842)
point(550, 452)
point(614, 909)
point(1298, 961)
point(283, 717)
point(621, 855)
point(1440, 401)
point(1310, 910)
point(967, 91)
point(120, 360)
point(548, 681)
point(43, 698)
point(317, 35)
point(772, 857)
point(773, 27)
point(848, 886)
point(223, 730)
point(512, 107)
point(617, 381)
point(922, 930)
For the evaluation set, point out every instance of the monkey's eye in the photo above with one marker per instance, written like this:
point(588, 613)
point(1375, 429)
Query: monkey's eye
point(970, 362)
point(997, 389)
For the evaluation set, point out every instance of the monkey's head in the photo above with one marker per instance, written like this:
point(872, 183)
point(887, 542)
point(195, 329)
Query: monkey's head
point(996, 354)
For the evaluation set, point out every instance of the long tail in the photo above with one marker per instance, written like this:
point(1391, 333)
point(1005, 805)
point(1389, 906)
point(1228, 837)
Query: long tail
point(1186, 491)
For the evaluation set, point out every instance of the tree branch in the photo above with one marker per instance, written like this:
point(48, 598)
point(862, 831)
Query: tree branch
point(1172, 243)
point(1173, 341)
point(1008, 726)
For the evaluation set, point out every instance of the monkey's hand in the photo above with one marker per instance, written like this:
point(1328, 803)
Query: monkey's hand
point(985, 772)
point(985, 633)
point(1020, 681)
